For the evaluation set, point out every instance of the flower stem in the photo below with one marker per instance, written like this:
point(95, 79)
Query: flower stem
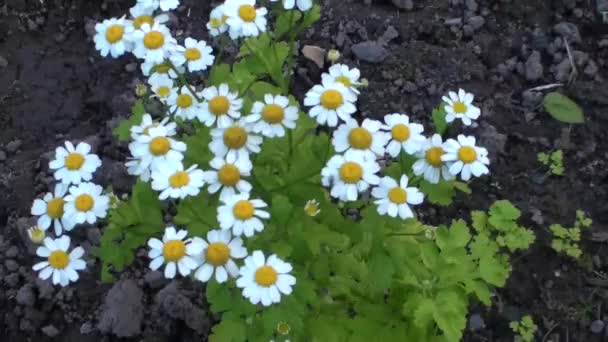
point(184, 82)
point(292, 41)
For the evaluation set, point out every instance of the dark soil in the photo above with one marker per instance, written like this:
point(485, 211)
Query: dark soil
point(54, 86)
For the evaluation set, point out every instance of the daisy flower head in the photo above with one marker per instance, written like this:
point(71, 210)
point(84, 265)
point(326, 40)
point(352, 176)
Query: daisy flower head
point(36, 234)
point(244, 19)
point(149, 68)
point(184, 105)
point(173, 181)
point(343, 74)
point(228, 176)
point(136, 167)
point(195, 55)
point(155, 148)
point(59, 264)
point(85, 203)
point(263, 280)
point(163, 88)
point(303, 5)
point(217, 257)
point(174, 252)
point(112, 36)
point(366, 139)
point(272, 116)
point(395, 198)
point(465, 158)
point(147, 123)
point(217, 21)
point(220, 105)
point(153, 43)
point(164, 5)
point(311, 208)
point(143, 14)
point(460, 106)
point(348, 175)
point(430, 164)
point(242, 214)
point(330, 101)
point(74, 164)
point(404, 135)
point(50, 210)
point(234, 142)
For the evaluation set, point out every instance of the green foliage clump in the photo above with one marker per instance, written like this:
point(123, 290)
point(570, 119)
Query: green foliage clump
point(554, 160)
point(566, 240)
point(525, 329)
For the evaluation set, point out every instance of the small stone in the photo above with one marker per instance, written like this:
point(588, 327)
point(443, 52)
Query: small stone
point(13, 146)
point(476, 322)
point(476, 22)
point(563, 70)
point(45, 288)
point(25, 295)
point(315, 54)
point(11, 265)
point(50, 331)
point(404, 4)
point(390, 34)
point(531, 99)
point(131, 67)
point(86, 328)
point(89, 27)
point(3, 62)
point(12, 252)
point(370, 51)
point(597, 326)
point(534, 67)
point(569, 31)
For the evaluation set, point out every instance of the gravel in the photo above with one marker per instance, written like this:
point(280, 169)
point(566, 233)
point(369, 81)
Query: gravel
point(123, 310)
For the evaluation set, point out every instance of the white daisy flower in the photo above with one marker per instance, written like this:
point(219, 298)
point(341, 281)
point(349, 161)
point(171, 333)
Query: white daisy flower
point(234, 142)
point(465, 158)
point(49, 209)
point(217, 21)
point(242, 215)
point(196, 55)
point(85, 203)
point(348, 175)
point(217, 257)
point(142, 14)
point(60, 264)
point(330, 101)
point(154, 149)
point(311, 208)
point(303, 5)
point(367, 139)
point(244, 20)
point(163, 88)
point(403, 135)
point(112, 36)
point(272, 116)
point(430, 164)
point(341, 73)
point(149, 68)
point(74, 164)
point(184, 105)
point(136, 167)
point(153, 43)
point(460, 106)
point(264, 280)
point(395, 198)
point(228, 176)
point(164, 5)
point(36, 234)
point(220, 105)
point(147, 123)
point(173, 181)
point(177, 253)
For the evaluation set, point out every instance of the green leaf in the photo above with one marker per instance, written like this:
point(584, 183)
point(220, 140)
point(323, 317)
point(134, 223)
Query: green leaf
point(284, 22)
point(310, 17)
point(229, 330)
point(198, 214)
point(439, 122)
point(198, 151)
point(123, 131)
point(563, 109)
point(493, 270)
point(219, 74)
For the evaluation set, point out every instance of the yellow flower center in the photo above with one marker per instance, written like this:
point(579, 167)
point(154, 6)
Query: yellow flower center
point(159, 146)
point(192, 54)
point(84, 202)
point(154, 40)
point(235, 137)
point(74, 161)
point(143, 19)
point(283, 328)
point(162, 68)
point(114, 33)
point(273, 113)
point(54, 208)
point(331, 99)
point(459, 107)
point(433, 156)
point(351, 172)
point(229, 175)
point(400, 132)
point(174, 250)
point(215, 22)
point(163, 91)
point(344, 80)
point(59, 259)
point(311, 208)
point(219, 105)
point(467, 154)
point(243, 210)
point(360, 138)
point(179, 179)
point(184, 101)
point(266, 276)
point(397, 195)
point(247, 13)
point(218, 253)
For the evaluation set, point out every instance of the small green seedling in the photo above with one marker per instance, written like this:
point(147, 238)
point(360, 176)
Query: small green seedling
point(554, 160)
point(525, 329)
point(563, 109)
point(566, 240)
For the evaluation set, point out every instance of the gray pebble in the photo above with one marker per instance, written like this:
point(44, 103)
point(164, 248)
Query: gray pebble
point(13, 146)
point(11, 265)
point(597, 326)
point(534, 67)
point(370, 51)
point(390, 34)
point(476, 22)
point(25, 296)
point(50, 331)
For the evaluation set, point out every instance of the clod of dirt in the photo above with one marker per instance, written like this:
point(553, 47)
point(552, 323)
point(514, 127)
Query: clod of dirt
point(123, 310)
point(370, 51)
point(597, 326)
point(534, 67)
point(50, 331)
point(169, 300)
point(13, 146)
point(26, 296)
point(404, 4)
point(3, 62)
point(569, 31)
point(390, 34)
point(155, 279)
point(45, 288)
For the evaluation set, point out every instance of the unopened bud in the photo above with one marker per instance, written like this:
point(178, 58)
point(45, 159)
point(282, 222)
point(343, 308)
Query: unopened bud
point(333, 55)
point(36, 234)
point(141, 90)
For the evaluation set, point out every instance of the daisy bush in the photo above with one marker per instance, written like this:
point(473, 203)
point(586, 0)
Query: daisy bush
point(299, 216)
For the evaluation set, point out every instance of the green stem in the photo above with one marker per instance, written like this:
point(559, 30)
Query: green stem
point(220, 52)
point(184, 82)
point(292, 40)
